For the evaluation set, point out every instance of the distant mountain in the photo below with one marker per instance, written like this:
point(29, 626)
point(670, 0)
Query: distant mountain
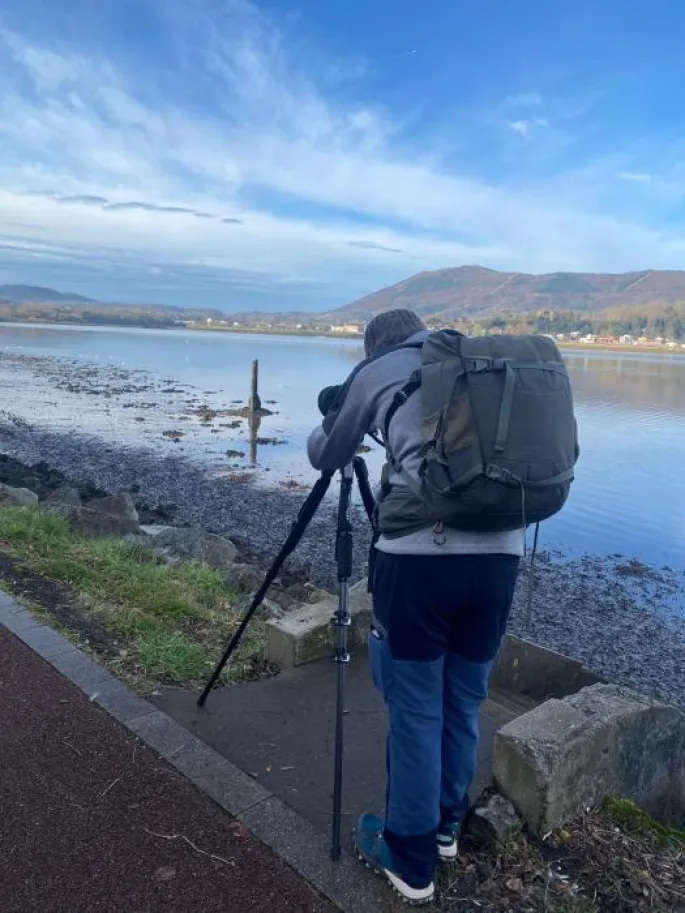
point(468, 291)
point(24, 294)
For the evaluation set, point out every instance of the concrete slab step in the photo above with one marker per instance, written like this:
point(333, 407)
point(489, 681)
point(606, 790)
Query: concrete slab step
point(281, 731)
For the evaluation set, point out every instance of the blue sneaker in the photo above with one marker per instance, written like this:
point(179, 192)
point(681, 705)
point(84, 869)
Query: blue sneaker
point(448, 847)
point(375, 853)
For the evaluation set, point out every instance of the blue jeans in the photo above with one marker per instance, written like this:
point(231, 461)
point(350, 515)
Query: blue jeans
point(438, 624)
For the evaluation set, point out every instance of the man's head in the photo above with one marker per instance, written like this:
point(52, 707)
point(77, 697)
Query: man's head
point(391, 328)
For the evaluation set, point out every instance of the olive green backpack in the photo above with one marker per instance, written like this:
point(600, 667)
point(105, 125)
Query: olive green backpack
point(500, 435)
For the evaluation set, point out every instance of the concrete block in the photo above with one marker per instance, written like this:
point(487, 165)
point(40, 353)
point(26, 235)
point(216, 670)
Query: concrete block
point(160, 732)
point(525, 668)
point(122, 703)
point(46, 642)
point(566, 755)
point(232, 789)
point(19, 621)
point(306, 634)
point(84, 672)
point(8, 605)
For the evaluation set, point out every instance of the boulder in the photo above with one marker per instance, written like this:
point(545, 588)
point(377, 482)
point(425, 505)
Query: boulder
point(190, 542)
point(567, 755)
point(152, 530)
point(246, 578)
point(493, 820)
point(113, 515)
point(17, 497)
point(62, 501)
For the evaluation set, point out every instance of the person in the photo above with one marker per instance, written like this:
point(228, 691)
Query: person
point(441, 598)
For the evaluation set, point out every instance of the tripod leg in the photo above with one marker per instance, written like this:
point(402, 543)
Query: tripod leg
point(341, 620)
point(362, 473)
point(306, 513)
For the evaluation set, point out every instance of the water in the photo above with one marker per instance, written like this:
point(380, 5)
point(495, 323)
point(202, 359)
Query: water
point(629, 494)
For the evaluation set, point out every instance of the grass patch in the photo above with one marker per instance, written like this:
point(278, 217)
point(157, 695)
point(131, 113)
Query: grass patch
point(167, 623)
point(637, 821)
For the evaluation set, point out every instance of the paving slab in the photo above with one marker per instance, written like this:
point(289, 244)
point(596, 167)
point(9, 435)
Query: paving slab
point(281, 732)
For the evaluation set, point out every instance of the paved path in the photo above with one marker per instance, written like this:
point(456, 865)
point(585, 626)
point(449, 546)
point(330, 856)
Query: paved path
point(281, 731)
point(92, 821)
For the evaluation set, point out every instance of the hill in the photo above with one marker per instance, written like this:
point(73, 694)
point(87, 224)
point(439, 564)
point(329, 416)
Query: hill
point(472, 291)
point(22, 294)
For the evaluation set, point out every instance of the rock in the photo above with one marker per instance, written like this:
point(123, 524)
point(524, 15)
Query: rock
point(567, 755)
point(113, 515)
point(271, 610)
point(18, 497)
point(493, 820)
point(190, 542)
point(152, 530)
point(62, 501)
point(246, 578)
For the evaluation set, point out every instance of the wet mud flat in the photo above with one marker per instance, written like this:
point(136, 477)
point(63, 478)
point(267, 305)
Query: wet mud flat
point(137, 408)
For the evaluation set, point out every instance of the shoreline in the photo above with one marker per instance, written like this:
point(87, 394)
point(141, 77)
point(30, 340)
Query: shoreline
point(321, 334)
point(609, 612)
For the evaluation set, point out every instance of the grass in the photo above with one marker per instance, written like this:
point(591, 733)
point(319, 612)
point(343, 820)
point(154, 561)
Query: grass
point(167, 623)
point(638, 822)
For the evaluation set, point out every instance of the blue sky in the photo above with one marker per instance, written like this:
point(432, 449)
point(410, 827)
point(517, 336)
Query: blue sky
point(278, 154)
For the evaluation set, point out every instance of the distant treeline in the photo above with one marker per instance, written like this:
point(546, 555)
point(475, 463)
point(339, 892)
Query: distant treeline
point(654, 320)
point(94, 314)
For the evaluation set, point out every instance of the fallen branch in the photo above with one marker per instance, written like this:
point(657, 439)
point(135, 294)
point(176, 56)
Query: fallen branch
point(190, 843)
point(111, 786)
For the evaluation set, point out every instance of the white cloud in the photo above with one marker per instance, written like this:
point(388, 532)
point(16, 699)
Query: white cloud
point(525, 127)
point(270, 174)
point(636, 177)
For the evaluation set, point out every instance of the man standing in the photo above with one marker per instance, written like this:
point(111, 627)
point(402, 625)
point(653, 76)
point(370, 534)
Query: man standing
point(441, 599)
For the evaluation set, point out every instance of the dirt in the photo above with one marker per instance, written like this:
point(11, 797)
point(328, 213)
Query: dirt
point(593, 865)
point(94, 821)
point(57, 601)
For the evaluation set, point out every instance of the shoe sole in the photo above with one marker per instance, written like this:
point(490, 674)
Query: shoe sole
point(447, 854)
point(385, 875)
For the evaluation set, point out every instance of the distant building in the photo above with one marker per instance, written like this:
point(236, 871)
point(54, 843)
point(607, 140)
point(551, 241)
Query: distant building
point(346, 328)
point(627, 340)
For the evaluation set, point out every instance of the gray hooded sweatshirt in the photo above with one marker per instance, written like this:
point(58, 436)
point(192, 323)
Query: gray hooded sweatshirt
point(334, 444)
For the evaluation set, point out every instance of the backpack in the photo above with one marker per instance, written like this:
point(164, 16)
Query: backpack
point(499, 431)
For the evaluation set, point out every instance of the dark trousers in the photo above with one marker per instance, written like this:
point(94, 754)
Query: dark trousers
point(438, 624)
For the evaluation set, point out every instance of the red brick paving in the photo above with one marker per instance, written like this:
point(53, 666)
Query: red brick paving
point(81, 803)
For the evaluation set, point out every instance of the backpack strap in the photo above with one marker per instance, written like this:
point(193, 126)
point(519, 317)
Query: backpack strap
point(400, 398)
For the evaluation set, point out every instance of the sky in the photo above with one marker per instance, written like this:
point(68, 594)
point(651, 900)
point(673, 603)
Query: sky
point(297, 154)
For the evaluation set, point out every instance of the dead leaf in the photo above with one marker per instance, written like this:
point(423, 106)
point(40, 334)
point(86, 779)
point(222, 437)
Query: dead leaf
point(239, 831)
point(515, 885)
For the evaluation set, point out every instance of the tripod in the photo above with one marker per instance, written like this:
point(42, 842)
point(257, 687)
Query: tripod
point(341, 618)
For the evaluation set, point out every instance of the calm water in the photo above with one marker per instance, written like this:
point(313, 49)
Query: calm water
point(629, 494)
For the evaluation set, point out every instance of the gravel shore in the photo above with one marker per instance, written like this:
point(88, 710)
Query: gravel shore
point(618, 617)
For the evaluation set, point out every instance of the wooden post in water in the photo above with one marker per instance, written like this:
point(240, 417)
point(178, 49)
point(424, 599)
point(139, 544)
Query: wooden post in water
point(255, 420)
point(255, 404)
